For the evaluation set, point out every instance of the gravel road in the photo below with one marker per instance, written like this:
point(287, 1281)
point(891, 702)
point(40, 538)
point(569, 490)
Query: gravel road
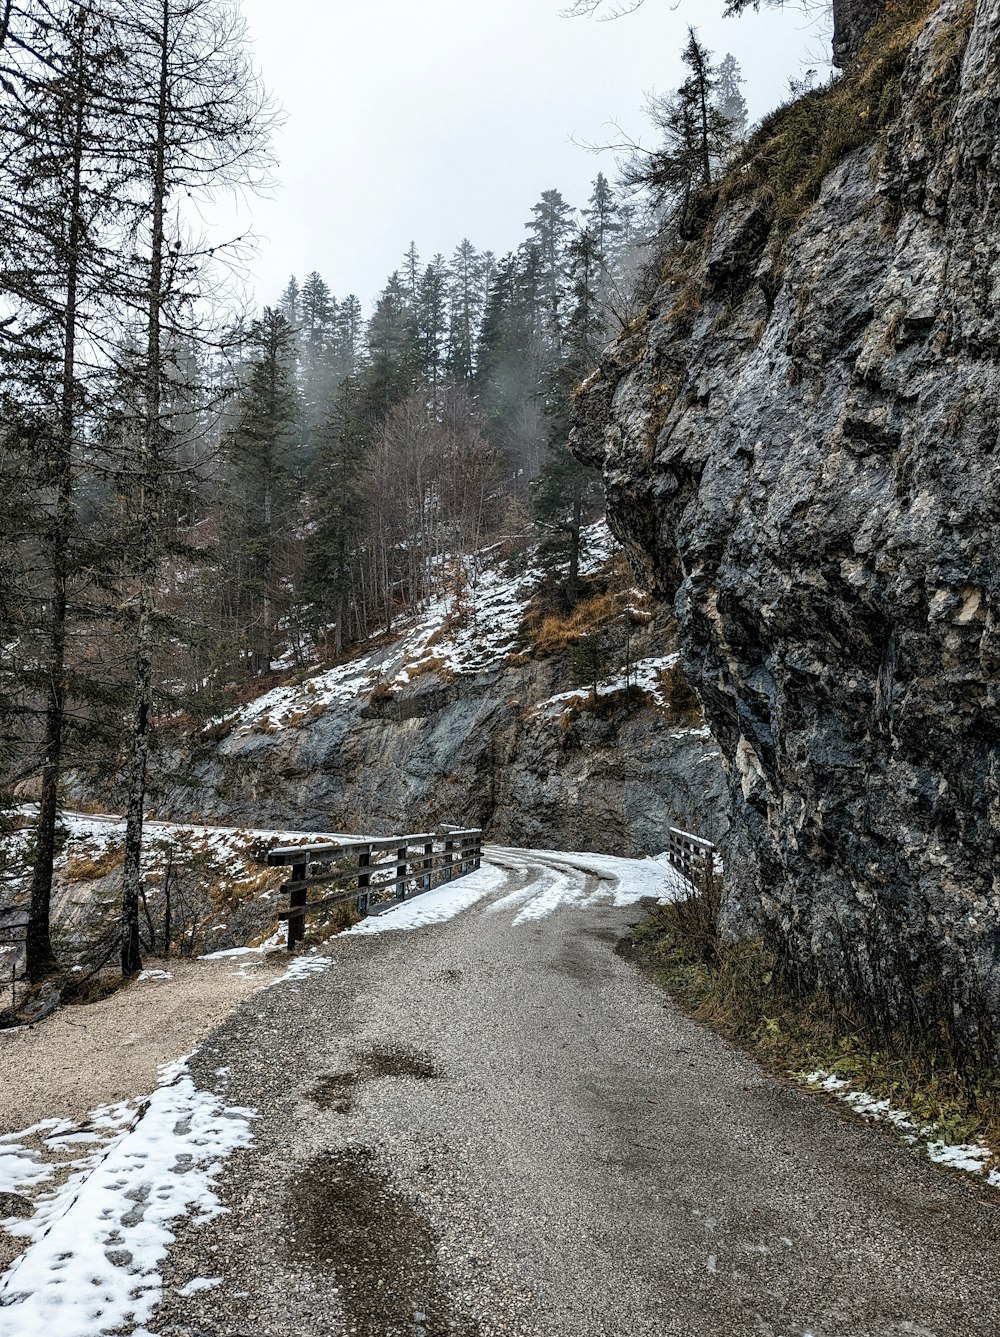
point(481, 1128)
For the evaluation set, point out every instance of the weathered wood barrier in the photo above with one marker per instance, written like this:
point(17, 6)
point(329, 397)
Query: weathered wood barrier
point(691, 855)
point(374, 873)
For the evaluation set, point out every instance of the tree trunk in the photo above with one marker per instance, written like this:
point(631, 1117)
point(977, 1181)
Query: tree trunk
point(40, 958)
point(148, 519)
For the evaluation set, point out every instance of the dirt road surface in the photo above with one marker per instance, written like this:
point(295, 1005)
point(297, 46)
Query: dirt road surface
point(494, 1127)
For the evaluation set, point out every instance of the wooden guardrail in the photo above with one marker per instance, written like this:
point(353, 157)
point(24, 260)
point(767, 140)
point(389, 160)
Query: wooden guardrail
point(691, 855)
point(373, 873)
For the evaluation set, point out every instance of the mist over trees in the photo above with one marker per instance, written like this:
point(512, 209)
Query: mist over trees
point(194, 501)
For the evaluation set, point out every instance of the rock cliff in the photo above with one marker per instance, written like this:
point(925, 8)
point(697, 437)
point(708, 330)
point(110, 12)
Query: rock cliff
point(800, 446)
point(453, 720)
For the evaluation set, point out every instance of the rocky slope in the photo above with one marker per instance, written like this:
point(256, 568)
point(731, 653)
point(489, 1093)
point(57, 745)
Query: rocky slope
point(454, 720)
point(800, 444)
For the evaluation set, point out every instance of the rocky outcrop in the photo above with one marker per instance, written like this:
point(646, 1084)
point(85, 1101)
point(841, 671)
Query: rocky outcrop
point(800, 445)
point(851, 21)
point(489, 748)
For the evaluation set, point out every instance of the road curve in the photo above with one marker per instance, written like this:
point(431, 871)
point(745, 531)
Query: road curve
point(495, 1125)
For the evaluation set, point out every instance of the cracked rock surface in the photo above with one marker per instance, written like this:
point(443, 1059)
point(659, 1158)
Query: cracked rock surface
point(800, 445)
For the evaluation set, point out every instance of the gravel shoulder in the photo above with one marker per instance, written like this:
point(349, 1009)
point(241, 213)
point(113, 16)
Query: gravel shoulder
point(481, 1128)
point(85, 1057)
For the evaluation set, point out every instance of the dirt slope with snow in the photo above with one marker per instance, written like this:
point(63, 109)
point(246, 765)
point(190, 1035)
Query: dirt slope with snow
point(457, 718)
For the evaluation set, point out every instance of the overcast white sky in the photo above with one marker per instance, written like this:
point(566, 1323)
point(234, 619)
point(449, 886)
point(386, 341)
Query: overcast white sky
point(433, 120)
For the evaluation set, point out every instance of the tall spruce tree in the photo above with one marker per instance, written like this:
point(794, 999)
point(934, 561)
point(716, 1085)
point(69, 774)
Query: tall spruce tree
point(550, 226)
point(566, 494)
point(465, 300)
point(260, 450)
point(337, 514)
point(729, 96)
point(393, 355)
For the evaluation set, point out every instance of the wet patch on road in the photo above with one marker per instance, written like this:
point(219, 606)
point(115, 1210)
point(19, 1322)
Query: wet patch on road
point(346, 1221)
point(398, 1061)
point(335, 1091)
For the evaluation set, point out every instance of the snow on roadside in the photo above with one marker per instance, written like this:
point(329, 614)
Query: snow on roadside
point(98, 1239)
point(559, 879)
point(972, 1158)
point(437, 906)
point(556, 880)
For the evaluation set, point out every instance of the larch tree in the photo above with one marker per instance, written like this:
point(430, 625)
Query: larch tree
point(196, 120)
point(63, 187)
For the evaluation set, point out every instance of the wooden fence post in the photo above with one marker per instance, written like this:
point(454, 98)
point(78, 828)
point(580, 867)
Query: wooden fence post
point(428, 865)
point(449, 859)
point(298, 893)
point(364, 880)
point(401, 872)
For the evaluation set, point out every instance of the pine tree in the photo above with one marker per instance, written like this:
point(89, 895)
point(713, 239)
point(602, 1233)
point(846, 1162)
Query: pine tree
point(260, 453)
point(338, 519)
point(729, 98)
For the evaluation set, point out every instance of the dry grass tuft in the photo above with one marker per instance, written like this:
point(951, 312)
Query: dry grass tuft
point(552, 633)
point(89, 866)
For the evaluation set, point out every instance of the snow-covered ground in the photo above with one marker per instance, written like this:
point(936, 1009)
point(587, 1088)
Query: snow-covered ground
point(116, 1185)
point(472, 630)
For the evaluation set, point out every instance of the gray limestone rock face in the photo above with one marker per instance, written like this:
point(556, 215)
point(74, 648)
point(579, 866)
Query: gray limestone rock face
point(808, 466)
point(851, 21)
point(480, 750)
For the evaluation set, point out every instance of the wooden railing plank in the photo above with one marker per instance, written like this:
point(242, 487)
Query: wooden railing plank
point(412, 858)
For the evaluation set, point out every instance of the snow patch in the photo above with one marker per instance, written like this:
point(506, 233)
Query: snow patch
point(644, 674)
point(974, 1159)
point(301, 968)
point(98, 1239)
point(434, 907)
point(197, 1284)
